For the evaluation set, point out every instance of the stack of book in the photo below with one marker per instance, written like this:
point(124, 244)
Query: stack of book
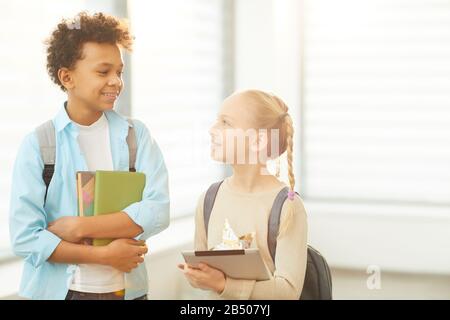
point(104, 192)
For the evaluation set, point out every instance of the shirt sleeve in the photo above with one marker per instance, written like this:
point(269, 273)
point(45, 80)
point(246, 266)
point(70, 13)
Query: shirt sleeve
point(290, 264)
point(152, 212)
point(27, 216)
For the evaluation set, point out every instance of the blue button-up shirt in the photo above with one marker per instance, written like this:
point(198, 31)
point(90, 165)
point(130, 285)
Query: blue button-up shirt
point(29, 216)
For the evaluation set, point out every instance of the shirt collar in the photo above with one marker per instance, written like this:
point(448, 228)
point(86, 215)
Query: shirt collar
point(62, 119)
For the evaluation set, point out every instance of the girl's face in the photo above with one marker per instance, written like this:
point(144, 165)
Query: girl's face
point(234, 140)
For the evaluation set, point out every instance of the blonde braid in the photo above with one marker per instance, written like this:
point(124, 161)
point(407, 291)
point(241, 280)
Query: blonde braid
point(289, 154)
point(289, 149)
point(289, 129)
point(274, 113)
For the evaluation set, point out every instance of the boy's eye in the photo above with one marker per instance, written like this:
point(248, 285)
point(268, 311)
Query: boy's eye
point(103, 72)
point(120, 73)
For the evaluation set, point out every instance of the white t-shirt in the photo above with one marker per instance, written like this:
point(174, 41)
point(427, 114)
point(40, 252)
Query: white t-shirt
point(95, 145)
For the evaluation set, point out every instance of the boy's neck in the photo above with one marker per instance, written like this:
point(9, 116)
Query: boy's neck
point(80, 113)
point(252, 178)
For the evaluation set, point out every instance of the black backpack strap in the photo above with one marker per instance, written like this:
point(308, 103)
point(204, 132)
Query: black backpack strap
point(47, 145)
point(208, 203)
point(132, 146)
point(274, 221)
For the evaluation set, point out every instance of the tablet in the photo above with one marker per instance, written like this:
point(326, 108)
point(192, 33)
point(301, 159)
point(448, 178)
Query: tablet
point(238, 264)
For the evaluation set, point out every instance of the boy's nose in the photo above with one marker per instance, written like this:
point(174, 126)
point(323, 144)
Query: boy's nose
point(115, 81)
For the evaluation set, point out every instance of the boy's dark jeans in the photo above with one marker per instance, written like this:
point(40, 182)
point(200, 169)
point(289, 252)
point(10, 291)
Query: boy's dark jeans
point(75, 295)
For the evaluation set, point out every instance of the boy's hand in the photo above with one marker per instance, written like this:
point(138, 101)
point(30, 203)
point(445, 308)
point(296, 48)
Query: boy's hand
point(125, 254)
point(204, 277)
point(67, 228)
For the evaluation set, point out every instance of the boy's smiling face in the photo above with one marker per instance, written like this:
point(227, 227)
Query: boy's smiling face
point(96, 79)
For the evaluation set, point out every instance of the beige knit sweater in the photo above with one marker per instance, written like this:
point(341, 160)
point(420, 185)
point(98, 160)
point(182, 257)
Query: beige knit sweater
point(247, 212)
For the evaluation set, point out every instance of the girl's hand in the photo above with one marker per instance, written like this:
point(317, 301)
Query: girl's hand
point(204, 277)
point(67, 228)
point(125, 254)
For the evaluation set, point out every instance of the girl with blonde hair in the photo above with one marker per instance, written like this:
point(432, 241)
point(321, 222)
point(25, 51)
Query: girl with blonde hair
point(252, 128)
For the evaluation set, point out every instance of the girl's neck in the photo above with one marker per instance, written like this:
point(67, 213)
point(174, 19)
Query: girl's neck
point(252, 178)
point(80, 113)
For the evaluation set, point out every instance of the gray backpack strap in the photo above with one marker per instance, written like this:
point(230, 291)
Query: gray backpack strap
point(47, 141)
point(317, 283)
point(132, 146)
point(47, 145)
point(208, 204)
point(274, 221)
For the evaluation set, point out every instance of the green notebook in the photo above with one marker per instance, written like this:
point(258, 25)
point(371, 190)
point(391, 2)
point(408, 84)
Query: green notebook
point(114, 191)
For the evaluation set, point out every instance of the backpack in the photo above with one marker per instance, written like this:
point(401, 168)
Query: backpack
point(47, 146)
point(317, 284)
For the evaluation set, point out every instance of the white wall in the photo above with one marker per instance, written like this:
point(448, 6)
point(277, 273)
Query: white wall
point(393, 237)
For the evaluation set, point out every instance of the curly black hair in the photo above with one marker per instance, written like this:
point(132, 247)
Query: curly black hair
point(64, 46)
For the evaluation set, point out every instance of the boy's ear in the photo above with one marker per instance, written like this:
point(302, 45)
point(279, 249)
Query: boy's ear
point(65, 77)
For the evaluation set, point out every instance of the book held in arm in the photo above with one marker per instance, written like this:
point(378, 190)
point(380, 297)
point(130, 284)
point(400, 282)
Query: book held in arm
point(114, 191)
point(85, 193)
point(106, 192)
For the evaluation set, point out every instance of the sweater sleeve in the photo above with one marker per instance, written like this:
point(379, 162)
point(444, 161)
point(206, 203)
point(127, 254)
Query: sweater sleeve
point(200, 239)
point(290, 264)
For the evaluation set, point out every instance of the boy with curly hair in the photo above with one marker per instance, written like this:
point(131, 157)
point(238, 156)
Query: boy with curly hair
point(84, 60)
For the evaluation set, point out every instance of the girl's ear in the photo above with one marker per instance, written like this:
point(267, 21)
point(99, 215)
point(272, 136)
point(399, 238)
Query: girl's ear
point(65, 77)
point(260, 143)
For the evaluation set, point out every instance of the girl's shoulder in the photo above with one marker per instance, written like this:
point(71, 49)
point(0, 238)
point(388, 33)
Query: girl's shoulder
point(201, 199)
point(212, 190)
point(297, 205)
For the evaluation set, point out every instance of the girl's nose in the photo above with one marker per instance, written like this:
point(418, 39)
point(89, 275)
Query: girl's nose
point(215, 132)
point(212, 130)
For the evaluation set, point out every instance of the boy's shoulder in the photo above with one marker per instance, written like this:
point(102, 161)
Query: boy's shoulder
point(30, 141)
point(141, 129)
point(138, 125)
point(28, 151)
